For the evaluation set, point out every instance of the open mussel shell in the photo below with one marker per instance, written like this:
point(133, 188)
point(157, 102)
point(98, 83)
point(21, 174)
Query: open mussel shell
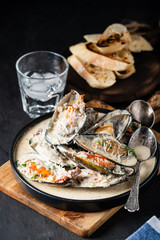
point(91, 119)
point(36, 168)
point(108, 147)
point(95, 161)
point(67, 120)
point(46, 150)
point(114, 123)
point(129, 132)
point(28, 157)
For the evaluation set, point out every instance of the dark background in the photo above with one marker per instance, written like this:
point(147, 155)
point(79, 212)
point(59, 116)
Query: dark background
point(54, 25)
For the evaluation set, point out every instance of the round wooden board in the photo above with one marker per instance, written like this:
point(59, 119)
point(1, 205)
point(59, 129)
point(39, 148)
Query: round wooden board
point(141, 83)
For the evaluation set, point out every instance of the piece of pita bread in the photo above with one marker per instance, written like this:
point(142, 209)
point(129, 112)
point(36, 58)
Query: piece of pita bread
point(95, 76)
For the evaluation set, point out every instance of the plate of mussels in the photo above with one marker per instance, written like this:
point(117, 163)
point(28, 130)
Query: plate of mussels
point(77, 158)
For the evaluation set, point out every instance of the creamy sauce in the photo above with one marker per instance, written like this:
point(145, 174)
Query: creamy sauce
point(77, 193)
point(142, 152)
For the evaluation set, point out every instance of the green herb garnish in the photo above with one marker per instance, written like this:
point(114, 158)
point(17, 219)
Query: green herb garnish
point(23, 165)
point(71, 166)
point(34, 176)
point(132, 151)
point(105, 144)
point(99, 143)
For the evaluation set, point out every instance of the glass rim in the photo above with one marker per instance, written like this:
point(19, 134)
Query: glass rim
point(41, 51)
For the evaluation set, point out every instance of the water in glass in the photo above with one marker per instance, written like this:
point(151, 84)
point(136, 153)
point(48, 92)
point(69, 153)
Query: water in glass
point(41, 92)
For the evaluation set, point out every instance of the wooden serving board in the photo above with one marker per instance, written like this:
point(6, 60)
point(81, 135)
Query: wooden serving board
point(83, 224)
point(141, 83)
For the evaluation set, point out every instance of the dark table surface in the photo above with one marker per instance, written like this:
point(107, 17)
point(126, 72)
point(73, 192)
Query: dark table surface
point(54, 26)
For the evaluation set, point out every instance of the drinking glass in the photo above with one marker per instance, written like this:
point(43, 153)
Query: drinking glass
point(42, 77)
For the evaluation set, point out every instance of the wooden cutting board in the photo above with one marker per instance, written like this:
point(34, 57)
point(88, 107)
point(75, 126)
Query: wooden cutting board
point(83, 224)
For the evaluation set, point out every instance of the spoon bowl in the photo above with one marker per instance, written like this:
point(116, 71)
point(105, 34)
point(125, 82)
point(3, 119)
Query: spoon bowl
point(144, 136)
point(142, 112)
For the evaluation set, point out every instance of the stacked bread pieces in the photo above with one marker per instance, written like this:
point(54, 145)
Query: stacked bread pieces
point(107, 56)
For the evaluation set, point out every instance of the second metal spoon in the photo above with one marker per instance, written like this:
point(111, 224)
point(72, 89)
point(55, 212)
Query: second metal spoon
point(141, 137)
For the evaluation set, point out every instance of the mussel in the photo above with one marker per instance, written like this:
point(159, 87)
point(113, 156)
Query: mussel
point(93, 179)
point(91, 119)
point(108, 147)
point(67, 120)
point(35, 168)
point(114, 123)
point(94, 161)
point(46, 150)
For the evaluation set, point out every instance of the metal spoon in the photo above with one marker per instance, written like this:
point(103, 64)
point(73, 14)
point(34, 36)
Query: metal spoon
point(141, 137)
point(142, 112)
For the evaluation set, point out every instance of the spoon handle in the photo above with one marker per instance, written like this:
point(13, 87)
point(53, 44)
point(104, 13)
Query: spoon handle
point(132, 203)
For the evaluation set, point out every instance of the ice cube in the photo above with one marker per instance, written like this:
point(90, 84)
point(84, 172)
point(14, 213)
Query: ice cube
point(41, 89)
point(49, 75)
point(26, 82)
point(37, 75)
point(38, 91)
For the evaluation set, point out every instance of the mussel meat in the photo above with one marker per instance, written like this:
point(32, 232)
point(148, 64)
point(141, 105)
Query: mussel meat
point(108, 147)
point(94, 161)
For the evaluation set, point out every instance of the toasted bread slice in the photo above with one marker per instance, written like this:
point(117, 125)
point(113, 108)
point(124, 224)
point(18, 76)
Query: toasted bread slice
point(113, 39)
point(114, 33)
point(138, 44)
point(95, 76)
point(92, 37)
point(125, 74)
point(123, 55)
point(83, 51)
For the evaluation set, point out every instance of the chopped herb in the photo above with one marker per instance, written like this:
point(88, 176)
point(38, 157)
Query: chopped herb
point(132, 151)
point(72, 166)
point(53, 167)
point(34, 176)
point(99, 142)
point(127, 148)
point(105, 144)
point(23, 165)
